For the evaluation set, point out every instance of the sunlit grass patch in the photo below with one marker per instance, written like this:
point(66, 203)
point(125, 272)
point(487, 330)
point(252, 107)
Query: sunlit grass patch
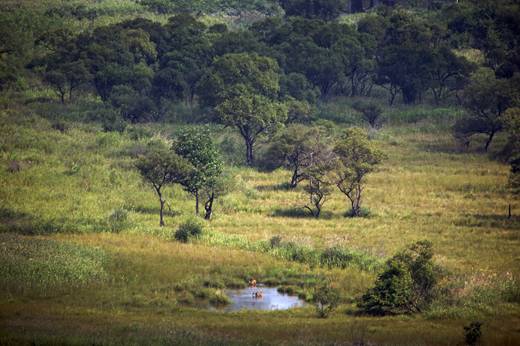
point(43, 266)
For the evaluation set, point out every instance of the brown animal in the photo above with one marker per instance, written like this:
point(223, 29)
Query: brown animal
point(258, 294)
point(252, 283)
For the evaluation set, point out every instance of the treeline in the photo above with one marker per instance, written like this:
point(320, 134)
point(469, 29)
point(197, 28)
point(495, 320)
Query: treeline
point(140, 66)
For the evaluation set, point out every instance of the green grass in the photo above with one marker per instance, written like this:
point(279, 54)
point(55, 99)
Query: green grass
point(72, 272)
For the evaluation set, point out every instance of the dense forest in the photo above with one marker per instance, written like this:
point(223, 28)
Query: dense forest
point(158, 155)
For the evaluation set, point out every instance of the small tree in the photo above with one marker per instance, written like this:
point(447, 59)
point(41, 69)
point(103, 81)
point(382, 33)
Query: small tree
point(161, 167)
point(371, 112)
point(326, 299)
point(196, 146)
point(67, 77)
point(293, 150)
point(214, 188)
point(357, 157)
point(318, 173)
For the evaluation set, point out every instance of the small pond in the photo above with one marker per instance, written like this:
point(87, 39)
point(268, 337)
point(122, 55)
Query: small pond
point(271, 299)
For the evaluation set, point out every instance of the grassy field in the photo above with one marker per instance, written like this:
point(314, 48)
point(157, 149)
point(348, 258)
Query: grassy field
point(72, 274)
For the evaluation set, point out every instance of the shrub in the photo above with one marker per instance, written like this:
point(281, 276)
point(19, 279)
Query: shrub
point(326, 299)
point(187, 230)
point(335, 257)
point(406, 285)
point(275, 241)
point(60, 126)
point(218, 297)
point(118, 220)
point(472, 333)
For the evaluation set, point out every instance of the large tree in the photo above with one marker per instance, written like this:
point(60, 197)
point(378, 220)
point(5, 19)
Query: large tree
point(486, 99)
point(357, 158)
point(243, 88)
point(161, 167)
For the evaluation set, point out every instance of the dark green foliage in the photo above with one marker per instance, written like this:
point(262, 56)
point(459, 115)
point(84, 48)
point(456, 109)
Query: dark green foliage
point(324, 9)
point(512, 124)
point(406, 285)
point(472, 333)
point(189, 229)
point(326, 299)
point(371, 112)
point(486, 99)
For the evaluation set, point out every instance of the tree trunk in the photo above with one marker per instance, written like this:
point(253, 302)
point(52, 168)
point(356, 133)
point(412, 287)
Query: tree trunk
point(161, 212)
point(196, 202)
point(294, 178)
point(489, 140)
point(355, 202)
point(249, 152)
point(208, 206)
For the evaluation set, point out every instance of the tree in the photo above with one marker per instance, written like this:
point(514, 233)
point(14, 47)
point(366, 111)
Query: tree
point(326, 299)
point(447, 71)
point(319, 175)
point(404, 56)
point(357, 158)
point(486, 99)
point(243, 88)
point(196, 146)
point(371, 112)
point(161, 167)
point(68, 77)
point(293, 149)
point(215, 188)
point(406, 285)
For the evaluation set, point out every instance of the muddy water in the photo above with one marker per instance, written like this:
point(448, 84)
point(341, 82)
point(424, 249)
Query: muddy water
point(271, 299)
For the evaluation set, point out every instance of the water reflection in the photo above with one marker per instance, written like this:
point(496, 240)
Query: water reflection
point(270, 299)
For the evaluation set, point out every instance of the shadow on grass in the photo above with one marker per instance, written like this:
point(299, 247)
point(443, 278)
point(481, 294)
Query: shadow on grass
point(24, 223)
point(278, 187)
point(155, 211)
point(491, 221)
point(300, 213)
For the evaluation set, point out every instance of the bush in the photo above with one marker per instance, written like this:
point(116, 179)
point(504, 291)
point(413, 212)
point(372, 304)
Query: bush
point(326, 299)
point(406, 285)
point(118, 220)
point(472, 333)
point(218, 297)
point(189, 229)
point(275, 241)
